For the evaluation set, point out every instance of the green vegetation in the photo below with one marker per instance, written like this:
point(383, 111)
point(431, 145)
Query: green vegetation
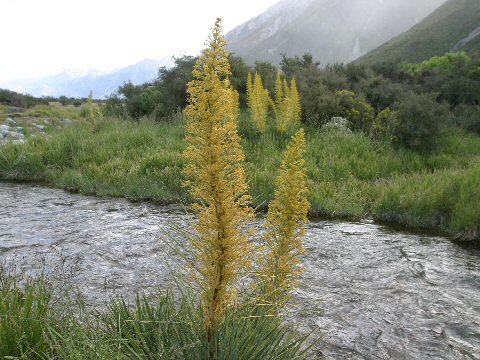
point(16, 100)
point(371, 130)
point(24, 311)
point(121, 159)
point(11, 98)
point(349, 172)
point(223, 320)
point(437, 34)
point(445, 198)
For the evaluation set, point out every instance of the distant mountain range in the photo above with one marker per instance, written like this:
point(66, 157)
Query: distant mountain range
point(331, 30)
point(79, 83)
point(454, 26)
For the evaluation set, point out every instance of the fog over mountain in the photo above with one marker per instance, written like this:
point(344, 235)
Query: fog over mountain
point(79, 83)
point(454, 26)
point(331, 30)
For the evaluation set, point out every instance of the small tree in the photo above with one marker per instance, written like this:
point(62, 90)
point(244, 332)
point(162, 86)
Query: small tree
point(359, 113)
point(420, 120)
point(385, 124)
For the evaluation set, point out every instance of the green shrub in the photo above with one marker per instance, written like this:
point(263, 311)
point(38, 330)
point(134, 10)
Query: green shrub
point(421, 120)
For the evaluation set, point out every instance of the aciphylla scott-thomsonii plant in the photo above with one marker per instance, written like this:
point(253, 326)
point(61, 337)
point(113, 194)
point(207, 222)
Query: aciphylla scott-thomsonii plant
point(286, 226)
point(216, 179)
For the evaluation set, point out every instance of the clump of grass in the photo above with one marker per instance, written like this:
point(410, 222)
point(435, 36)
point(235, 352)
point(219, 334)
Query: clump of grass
point(122, 159)
point(162, 329)
point(34, 326)
point(444, 199)
point(25, 309)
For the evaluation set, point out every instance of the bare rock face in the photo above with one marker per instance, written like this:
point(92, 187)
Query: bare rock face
point(331, 30)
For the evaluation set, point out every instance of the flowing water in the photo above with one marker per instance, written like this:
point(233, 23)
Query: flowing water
point(369, 291)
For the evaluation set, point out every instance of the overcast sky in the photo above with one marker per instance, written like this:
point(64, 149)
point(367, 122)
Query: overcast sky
point(40, 37)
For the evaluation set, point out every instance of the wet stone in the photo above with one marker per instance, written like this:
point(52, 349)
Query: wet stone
point(10, 122)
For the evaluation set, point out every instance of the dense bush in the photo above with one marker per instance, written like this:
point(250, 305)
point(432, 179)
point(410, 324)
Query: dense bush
point(12, 98)
point(421, 118)
point(168, 93)
point(363, 95)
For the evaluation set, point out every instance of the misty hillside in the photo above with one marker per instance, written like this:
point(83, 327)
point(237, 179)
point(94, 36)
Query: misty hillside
point(332, 31)
point(79, 84)
point(452, 27)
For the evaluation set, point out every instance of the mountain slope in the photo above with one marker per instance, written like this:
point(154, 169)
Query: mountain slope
point(79, 84)
point(332, 30)
point(453, 26)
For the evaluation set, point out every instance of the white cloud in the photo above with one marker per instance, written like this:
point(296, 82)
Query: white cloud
point(40, 37)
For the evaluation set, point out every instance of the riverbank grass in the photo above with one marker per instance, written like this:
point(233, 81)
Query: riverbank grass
point(350, 176)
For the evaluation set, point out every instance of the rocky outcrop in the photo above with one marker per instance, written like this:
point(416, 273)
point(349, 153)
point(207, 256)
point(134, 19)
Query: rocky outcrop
point(11, 132)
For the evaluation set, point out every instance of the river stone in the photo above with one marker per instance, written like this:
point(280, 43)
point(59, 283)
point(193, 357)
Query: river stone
point(67, 121)
point(39, 127)
point(4, 129)
point(14, 135)
point(10, 122)
point(19, 129)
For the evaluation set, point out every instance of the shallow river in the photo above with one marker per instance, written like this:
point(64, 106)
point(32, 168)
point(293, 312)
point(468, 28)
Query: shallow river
point(369, 291)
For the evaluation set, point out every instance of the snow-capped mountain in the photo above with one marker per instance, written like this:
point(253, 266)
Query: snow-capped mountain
point(79, 83)
point(331, 30)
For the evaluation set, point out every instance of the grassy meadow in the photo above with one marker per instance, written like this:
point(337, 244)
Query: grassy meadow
point(350, 175)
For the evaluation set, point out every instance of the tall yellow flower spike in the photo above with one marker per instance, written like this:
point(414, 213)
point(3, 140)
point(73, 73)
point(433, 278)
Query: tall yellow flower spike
point(216, 179)
point(296, 112)
point(278, 89)
point(286, 225)
point(258, 102)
